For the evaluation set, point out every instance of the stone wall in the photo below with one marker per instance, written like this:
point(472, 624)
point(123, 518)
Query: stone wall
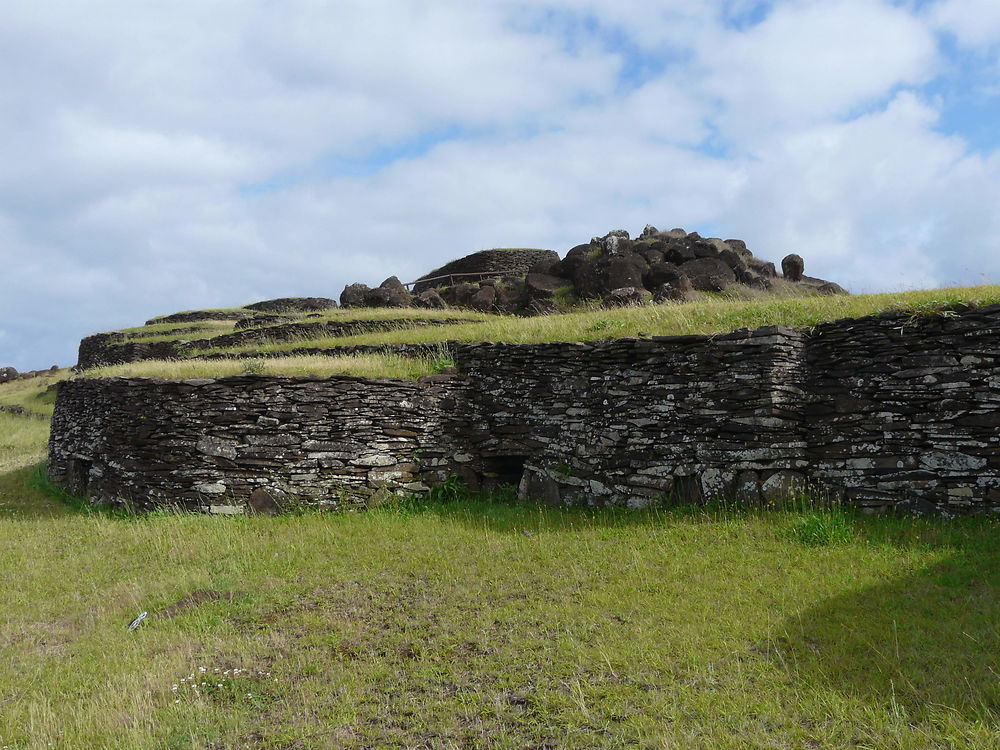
point(222, 445)
point(629, 420)
point(906, 410)
point(882, 411)
point(116, 348)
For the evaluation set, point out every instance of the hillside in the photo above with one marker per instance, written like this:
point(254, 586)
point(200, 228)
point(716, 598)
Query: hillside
point(799, 627)
point(409, 342)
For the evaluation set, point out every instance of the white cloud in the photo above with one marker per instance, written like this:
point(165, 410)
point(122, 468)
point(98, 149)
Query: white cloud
point(812, 61)
point(879, 202)
point(974, 22)
point(134, 131)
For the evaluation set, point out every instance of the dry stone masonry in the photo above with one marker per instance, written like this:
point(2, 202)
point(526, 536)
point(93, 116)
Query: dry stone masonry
point(886, 411)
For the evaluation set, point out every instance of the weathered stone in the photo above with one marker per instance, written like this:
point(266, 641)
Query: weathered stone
point(354, 295)
point(627, 296)
point(709, 274)
point(543, 286)
point(267, 501)
point(859, 410)
point(781, 487)
point(294, 304)
point(212, 446)
point(792, 267)
point(484, 299)
point(430, 298)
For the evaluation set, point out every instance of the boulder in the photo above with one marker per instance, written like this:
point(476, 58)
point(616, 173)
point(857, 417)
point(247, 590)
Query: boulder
point(792, 267)
point(753, 279)
point(763, 267)
point(624, 271)
point(7, 373)
point(649, 231)
point(484, 299)
point(678, 251)
point(505, 263)
point(667, 273)
point(354, 295)
point(293, 304)
point(543, 285)
point(459, 294)
point(741, 247)
point(430, 299)
point(398, 295)
point(733, 259)
point(651, 254)
point(588, 280)
point(627, 296)
point(669, 293)
point(577, 255)
point(512, 301)
point(709, 274)
point(377, 298)
point(831, 287)
point(544, 266)
point(705, 249)
point(614, 242)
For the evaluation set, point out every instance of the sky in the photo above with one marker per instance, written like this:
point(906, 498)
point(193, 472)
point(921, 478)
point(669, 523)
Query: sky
point(157, 157)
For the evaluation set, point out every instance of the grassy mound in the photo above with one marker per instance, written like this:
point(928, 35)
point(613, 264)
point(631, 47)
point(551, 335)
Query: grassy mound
point(713, 314)
point(398, 628)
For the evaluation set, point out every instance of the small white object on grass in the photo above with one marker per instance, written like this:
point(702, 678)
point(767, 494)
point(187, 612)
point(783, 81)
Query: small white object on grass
point(135, 623)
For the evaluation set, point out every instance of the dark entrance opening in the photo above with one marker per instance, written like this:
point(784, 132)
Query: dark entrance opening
point(501, 471)
point(79, 477)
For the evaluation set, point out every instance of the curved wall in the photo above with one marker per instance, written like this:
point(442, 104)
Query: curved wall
point(884, 411)
point(222, 444)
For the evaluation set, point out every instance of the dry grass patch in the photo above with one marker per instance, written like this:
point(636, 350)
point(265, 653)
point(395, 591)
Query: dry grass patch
point(32, 393)
point(361, 365)
point(710, 316)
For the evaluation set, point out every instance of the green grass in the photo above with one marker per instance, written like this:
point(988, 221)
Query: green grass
point(607, 629)
point(167, 331)
point(362, 365)
point(208, 310)
point(489, 623)
point(711, 316)
point(32, 393)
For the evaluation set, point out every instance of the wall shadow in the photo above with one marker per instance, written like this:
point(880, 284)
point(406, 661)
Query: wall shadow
point(918, 643)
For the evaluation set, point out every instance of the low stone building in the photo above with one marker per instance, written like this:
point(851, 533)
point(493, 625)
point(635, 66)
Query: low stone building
point(884, 411)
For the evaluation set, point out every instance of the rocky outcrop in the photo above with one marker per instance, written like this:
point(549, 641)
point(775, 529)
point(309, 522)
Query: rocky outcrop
point(510, 264)
point(196, 316)
point(792, 267)
point(659, 266)
point(293, 304)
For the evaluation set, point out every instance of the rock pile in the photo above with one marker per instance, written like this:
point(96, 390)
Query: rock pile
point(9, 374)
point(616, 268)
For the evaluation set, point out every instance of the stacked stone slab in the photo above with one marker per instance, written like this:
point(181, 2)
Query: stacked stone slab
point(252, 441)
point(885, 411)
point(632, 420)
point(907, 410)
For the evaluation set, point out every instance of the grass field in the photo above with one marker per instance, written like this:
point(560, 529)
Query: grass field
point(460, 622)
point(487, 623)
point(367, 365)
point(712, 315)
